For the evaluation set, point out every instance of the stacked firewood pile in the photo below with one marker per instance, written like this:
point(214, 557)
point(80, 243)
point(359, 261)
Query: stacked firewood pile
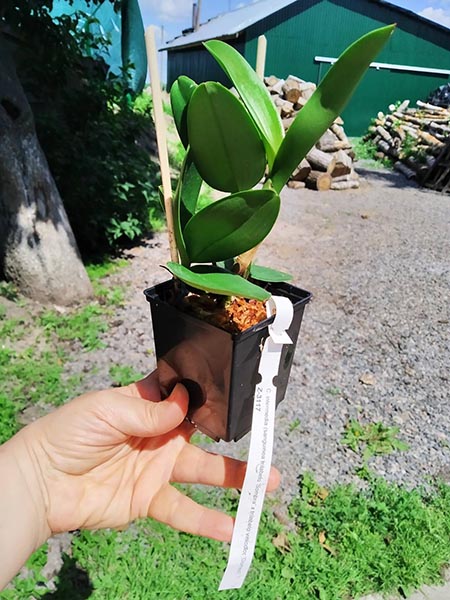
point(411, 137)
point(329, 164)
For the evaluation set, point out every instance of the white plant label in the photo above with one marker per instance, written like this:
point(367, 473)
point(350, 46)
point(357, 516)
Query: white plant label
point(261, 444)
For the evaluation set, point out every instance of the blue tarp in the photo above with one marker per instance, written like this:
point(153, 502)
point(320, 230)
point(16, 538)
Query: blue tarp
point(124, 29)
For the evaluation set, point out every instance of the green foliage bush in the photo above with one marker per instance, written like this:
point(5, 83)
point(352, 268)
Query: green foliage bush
point(95, 135)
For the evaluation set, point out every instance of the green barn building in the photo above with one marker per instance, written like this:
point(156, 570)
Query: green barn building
point(303, 38)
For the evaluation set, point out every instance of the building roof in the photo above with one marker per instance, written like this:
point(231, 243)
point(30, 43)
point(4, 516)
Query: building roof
point(230, 24)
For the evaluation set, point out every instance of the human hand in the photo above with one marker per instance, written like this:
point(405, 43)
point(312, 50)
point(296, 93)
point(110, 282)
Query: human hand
point(110, 457)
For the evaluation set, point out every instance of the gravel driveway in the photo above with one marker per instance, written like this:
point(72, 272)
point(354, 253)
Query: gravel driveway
point(377, 260)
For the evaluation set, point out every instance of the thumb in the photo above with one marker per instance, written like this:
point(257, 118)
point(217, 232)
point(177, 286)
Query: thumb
point(144, 418)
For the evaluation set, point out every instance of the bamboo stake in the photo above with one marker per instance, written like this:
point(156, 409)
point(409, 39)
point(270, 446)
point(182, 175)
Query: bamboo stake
point(160, 126)
point(261, 56)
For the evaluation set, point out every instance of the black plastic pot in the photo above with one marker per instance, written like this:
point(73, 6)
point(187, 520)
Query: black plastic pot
point(219, 369)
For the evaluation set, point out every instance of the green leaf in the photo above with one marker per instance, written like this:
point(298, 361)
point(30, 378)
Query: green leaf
point(180, 95)
point(269, 275)
point(177, 216)
point(190, 189)
point(326, 103)
point(218, 281)
point(226, 146)
point(161, 198)
point(231, 226)
point(254, 95)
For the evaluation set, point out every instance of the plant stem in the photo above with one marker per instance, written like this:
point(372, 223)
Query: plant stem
point(245, 260)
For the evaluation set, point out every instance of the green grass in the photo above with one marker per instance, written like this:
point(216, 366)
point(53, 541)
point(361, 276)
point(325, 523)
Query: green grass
point(85, 325)
point(8, 291)
point(123, 375)
point(29, 377)
point(344, 543)
point(35, 374)
point(104, 267)
point(13, 329)
point(8, 421)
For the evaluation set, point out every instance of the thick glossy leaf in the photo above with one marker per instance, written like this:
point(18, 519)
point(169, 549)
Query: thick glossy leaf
point(231, 226)
point(190, 189)
point(254, 95)
point(269, 275)
point(180, 94)
point(326, 103)
point(217, 281)
point(226, 146)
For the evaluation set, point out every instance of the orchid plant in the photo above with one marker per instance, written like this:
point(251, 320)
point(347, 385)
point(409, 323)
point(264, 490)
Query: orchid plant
point(234, 142)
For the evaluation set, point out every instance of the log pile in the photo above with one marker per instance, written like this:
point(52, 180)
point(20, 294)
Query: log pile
point(329, 164)
point(411, 137)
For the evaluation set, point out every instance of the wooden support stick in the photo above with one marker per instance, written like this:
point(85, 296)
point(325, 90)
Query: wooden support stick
point(261, 56)
point(160, 126)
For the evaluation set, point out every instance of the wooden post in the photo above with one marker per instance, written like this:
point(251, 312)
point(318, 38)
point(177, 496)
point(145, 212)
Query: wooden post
point(261, 56)
point(160, 126)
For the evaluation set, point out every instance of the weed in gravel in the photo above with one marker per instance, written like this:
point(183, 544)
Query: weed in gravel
point(294, 425)
point(123, 375)
point(334, 391)
point(200, 439)
point(111, 296)
point(371, 439)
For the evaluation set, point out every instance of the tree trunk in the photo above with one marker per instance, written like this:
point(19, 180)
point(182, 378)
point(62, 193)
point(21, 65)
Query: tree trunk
point(38, 251)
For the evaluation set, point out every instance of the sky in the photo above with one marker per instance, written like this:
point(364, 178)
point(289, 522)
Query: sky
point(172, 16)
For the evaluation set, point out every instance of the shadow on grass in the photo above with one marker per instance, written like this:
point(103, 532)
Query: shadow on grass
point(73, 583)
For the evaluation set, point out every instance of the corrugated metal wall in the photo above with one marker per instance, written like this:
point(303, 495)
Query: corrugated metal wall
point(198, 64)
point(310, 28)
